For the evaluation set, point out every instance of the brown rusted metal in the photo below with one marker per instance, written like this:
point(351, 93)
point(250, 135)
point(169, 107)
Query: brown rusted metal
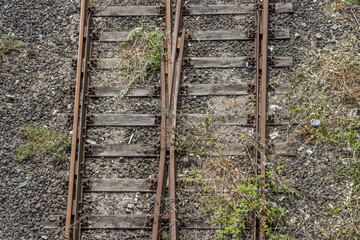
point(168, 4)
point(79, 75)
point(162, 173)
point(174, 43)
point(262, 33)
point(88, 148)
point(187, 61)
point(257, 102)
point(184, 89)
point(90, 119)
point(81, 141)
point(172, 157)
point(157, 118)
point(153, 184)
point(91, 90)
point(156, 90)
point(251, 88)
point(189, 35)
point(263, 116)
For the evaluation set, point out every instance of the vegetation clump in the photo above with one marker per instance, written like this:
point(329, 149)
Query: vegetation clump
point(230, 197)
point(141, 54)
point(195, 140)
point(233, 214)
point(42, 142)
point(9, 43)
point(350, 2)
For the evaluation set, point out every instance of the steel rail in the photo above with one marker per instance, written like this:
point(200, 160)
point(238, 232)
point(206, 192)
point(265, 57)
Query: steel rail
point(257, 102)
point(162, 173)
point(260, 125)
point(169, 18)
point(172, 157)
point(174, 43)
point(84, 7)
point(263, 116)
point(82, 127)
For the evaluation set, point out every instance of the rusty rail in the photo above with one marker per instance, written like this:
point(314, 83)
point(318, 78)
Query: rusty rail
point(257, 104)
point(75, 193)
point(170, 104)
point(172, 156)
point(162, 164)
point(174, 44)
point(169, 17)
point(261, 81)
point(170, 87)
point(263, 118)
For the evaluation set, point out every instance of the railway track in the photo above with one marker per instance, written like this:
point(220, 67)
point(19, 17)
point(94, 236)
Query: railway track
point(164, 213)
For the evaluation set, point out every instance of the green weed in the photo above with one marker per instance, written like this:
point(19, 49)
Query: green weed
point(196, 179)
point(345, 5)
point(42, 142)
point(141, 55)
point(233, 215)
point(149, 41)
point(9, 43)
point(350, 2)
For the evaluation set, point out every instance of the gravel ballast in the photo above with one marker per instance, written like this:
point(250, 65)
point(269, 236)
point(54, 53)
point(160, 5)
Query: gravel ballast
point(34, 85)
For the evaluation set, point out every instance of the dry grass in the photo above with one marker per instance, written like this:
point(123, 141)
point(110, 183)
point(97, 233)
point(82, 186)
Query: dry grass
point(140, 55)
point(226, 185)
point(328, 89)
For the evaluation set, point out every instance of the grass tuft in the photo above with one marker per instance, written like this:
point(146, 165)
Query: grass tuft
point(42, 142)
point(9, 43)
point(141, 54)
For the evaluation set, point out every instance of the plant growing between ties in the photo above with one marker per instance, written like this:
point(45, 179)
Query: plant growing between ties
point(350, 2)
point(141, 54)
point(195, 139)
point(235, 213)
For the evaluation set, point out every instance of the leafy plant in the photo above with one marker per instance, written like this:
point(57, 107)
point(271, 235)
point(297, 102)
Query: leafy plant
point(42, 142)
point(141, 54)
point(350, 2)
point(234, 214)
point(8, 44)
point(196, 179)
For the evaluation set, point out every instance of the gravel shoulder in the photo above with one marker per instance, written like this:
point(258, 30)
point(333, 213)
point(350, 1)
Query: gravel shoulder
point(33, 86)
